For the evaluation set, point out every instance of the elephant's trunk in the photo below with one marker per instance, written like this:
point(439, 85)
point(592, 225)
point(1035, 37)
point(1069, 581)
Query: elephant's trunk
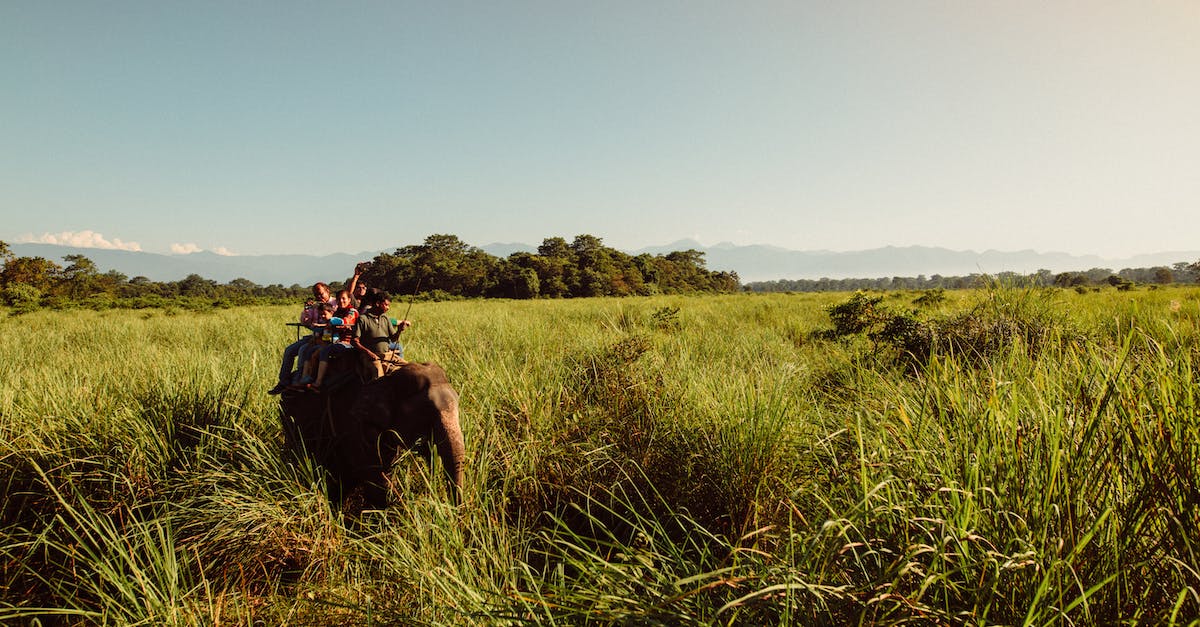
point(447, 435)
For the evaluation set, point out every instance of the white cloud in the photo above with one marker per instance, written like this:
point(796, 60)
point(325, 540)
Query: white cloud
point(80, 239)
point(185, 249)
point(190, 247)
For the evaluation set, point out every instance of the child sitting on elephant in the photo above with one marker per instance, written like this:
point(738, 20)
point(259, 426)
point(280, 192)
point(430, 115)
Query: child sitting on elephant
point(321, 337)
point(342, 327)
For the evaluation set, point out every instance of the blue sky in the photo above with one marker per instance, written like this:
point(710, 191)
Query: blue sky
point(319, 127)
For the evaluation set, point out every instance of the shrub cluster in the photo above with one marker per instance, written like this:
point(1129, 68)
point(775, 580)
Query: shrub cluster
point(1005, 318)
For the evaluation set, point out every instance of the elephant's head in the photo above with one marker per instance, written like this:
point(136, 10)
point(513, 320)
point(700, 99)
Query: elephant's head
point(413, 405)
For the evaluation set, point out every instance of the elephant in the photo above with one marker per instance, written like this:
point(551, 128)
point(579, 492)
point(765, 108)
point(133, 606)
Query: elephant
point(355, 430)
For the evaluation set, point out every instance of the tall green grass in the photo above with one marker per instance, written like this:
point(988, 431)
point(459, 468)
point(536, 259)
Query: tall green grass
point(666, 460)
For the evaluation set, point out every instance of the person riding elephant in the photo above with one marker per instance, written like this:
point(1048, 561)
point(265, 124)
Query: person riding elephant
point(357, 430)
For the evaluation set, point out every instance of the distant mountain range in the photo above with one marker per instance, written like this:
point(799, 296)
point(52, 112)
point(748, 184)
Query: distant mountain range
point(752, 263)
point(767, 263)
point(262, 269)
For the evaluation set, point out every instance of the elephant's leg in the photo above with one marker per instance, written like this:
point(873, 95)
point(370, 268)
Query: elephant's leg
point(293, 438)
point(375, 491)
point(372, 453)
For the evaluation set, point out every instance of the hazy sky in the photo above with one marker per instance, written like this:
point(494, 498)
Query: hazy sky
point(273, 127)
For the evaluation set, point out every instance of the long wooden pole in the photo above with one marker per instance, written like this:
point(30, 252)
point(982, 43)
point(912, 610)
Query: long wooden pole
point(412, 299)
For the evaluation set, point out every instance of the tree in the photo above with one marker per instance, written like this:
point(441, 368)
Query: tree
point(242, 285)
point(1163, 276)
point(594, 267)
point(1070, 279)
point(1183, 271)
point(446, 263)
point(647, 267)
point(391, 273)
point(138, 286)
point(555, 247)
point(520, 283)
point(37, 272)
point(78, 278)
point(110, 282)
point(682, 271)
point(1194, 269)
point(551, 273)
point(518, 277)
point(196, 285)
point(21, 297)
point(726, 281)
point(591, 283)
point(691, 258)
point(1096, 276)
point(442, 244)
point(1118, 282)
point(586, 244)
point(553, 265)
point(1044, 277)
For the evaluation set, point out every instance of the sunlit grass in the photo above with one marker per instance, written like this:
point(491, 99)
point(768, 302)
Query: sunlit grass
point(665, 460)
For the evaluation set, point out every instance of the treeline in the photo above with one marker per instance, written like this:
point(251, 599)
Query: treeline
point(445, 266)
point(1126, 278)
point(441, 267)
point(27, 283)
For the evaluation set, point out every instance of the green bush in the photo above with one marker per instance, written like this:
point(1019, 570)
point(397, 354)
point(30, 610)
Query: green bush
point(1007, 317)
point(666, 319)
point(859, 314)
point(21, 297)
point(935, 296)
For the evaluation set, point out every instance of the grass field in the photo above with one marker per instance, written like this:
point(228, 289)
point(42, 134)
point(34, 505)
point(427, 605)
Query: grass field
point(666, 460)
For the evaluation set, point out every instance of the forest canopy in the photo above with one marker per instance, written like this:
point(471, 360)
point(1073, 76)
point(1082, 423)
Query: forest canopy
point(559, 269)
point(443, 266)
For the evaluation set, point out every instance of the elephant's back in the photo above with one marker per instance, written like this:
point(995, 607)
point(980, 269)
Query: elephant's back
point(417, 377)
